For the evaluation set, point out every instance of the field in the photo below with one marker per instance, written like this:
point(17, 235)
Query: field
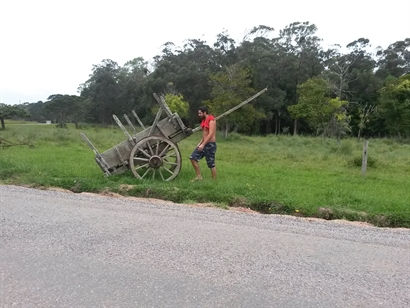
point(303, 176)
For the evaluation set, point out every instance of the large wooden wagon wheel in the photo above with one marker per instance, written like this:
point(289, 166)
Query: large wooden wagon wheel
point(155, 157)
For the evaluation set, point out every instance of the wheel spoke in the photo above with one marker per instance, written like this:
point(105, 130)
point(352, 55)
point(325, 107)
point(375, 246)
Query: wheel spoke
point(142, 166)
point(145, 153)
point(150, 148)
point(157, 148)
point(145, 173)
point(153, 174)
point(171, 163)
point(160, 173)
point(169, 155)
point(168, 170)
point(164, 150)
point(141, 158)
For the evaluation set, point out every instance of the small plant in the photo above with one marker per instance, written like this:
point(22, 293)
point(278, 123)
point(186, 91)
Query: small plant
point(357, 161)
point(346, 148)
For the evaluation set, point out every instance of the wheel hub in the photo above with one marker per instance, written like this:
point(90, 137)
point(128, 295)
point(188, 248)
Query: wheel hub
point(155, 162)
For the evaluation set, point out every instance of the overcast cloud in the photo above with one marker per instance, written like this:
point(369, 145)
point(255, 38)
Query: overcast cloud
point(49, 47)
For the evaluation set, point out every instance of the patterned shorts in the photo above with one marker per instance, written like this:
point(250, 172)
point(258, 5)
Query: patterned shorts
point(209, 153)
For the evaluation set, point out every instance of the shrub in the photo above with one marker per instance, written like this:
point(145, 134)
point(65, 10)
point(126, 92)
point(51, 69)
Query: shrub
point(357, 161)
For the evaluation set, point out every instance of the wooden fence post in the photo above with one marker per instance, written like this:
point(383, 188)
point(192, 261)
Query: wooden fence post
point(364, 157)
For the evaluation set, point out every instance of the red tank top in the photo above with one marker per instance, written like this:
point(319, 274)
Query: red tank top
point(205, 122)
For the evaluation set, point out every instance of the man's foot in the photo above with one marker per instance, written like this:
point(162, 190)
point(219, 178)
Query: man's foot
point(196, 179)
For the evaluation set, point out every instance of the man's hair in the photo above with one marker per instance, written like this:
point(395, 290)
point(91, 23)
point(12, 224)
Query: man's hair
point(203, 109)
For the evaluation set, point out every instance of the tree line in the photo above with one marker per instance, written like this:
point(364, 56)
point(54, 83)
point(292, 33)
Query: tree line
point(352, 90)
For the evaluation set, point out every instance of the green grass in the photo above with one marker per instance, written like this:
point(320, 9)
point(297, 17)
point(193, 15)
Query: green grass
point(303, 176)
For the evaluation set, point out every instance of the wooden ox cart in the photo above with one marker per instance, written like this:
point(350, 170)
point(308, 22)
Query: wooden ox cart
point(152, 152)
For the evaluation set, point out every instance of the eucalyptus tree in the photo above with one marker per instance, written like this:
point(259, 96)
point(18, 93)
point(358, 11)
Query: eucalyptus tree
point(225, 50)
point(185, 71)
point(350, 74)
point(260, 53)
point(36, 111)
point(325, 114)
point(394, 60)
point(229, 88)
point(302, 58)
point(102, 90)
point(10, 111)
point(65, 108)
point(132, 92)
point(394, 106)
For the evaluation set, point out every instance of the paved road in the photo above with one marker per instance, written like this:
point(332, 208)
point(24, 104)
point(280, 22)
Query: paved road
point(62, 249)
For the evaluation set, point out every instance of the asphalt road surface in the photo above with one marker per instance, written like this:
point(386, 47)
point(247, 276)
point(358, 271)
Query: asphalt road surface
point(61, 249)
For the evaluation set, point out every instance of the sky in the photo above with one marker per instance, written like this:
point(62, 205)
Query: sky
point(50, 46)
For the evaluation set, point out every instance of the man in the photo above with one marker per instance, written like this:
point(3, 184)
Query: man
point(207, 146)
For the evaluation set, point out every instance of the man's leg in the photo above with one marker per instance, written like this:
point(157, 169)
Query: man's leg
point(210, 150)
point(195, 157)
point(213, 172)
point(196, 168)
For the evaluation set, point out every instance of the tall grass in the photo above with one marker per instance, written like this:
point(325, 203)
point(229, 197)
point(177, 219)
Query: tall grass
point(274, 174)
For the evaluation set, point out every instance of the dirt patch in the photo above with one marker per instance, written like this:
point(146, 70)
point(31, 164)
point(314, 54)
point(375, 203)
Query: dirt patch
point(59, 189)
point(48, 188)
point(126, 187)
point(242, 209)
point(355, 223)
point(325, 213)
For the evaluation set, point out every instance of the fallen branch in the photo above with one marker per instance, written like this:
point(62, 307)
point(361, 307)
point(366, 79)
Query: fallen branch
point(5, 143)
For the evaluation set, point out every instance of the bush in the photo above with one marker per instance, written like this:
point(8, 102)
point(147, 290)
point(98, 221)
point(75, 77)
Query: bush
point(346, 148)
point(357, 161)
